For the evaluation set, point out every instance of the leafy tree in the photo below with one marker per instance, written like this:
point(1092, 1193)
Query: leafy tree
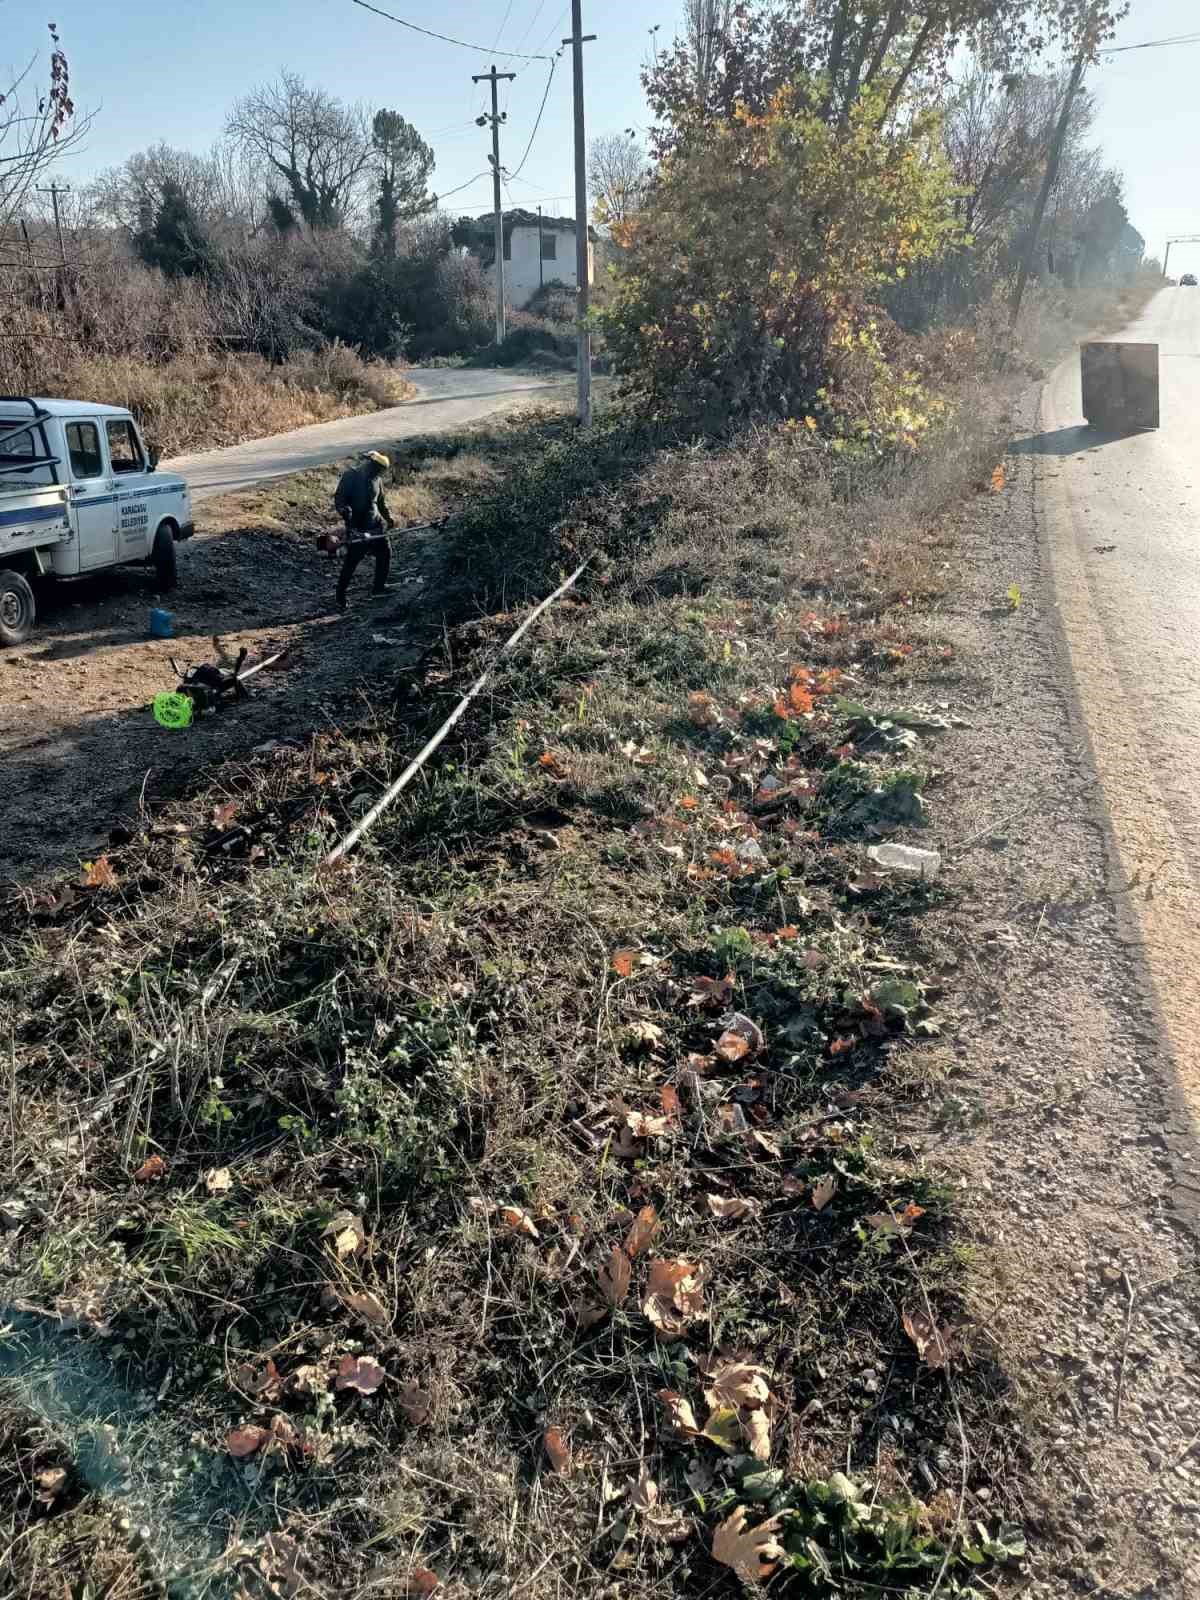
point(745, 287)
point(171, 236)
point(403, 164)
point(618, 177)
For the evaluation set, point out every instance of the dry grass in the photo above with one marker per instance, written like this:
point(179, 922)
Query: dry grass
point(203, 401)
point(445, 1030)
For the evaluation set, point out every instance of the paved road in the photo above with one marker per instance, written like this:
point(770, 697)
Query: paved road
point(446, 398)
point(1122, 520)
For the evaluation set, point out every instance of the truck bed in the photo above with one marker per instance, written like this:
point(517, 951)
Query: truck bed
point(32, 517)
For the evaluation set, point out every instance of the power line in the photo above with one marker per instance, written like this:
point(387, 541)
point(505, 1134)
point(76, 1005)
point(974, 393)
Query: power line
point(1152, 44)
point(532, 23)
point(503, 25)
point(479, 49)
point(538, 123)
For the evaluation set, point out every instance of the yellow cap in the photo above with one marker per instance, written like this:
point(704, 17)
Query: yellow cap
point(378, 457)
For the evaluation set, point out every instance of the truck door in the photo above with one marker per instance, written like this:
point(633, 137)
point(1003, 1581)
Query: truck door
point(93, 499)
point(128, 461)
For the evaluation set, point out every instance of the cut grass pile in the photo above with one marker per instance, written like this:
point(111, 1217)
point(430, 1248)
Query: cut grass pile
point(522, 1209)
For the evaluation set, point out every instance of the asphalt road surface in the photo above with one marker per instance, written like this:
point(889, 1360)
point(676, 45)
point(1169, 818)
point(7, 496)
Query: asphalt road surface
point(1122, 533)
point(448, 397)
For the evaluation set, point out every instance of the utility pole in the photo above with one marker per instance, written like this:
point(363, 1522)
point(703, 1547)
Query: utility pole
point(54, 191)
point(582, 251)
point(542, 259)
point(1052, 164)
point(493, 77)
point(1178, 238)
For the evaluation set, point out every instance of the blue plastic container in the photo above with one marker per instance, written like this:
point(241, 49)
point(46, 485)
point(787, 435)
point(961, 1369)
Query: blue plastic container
point(160, 624)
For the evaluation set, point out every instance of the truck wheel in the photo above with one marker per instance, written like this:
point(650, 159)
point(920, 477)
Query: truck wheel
point(18, 609)
point(162, 558)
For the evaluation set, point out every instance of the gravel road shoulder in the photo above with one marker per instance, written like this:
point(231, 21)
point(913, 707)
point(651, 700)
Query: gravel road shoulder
point(1058, 1113)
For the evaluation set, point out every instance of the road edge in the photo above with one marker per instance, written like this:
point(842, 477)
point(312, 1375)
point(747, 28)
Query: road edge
point(1157, 910)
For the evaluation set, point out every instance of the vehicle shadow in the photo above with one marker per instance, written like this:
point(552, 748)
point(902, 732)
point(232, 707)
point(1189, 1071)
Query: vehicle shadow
point(1071, 441)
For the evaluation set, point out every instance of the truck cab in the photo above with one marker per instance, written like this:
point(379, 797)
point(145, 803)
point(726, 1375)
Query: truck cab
point(79, 493)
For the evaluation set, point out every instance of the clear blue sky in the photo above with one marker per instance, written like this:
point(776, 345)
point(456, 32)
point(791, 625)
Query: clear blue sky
point(156, 75)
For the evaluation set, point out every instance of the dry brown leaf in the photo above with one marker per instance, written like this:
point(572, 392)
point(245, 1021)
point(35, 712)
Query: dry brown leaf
point(644, 1126)
point(347, 1234)
point(588, 1312)
point(219, 1180)
point(897, 1224)
point(933, 1343)
point(423, 1582)
point(519, 1221)
point(369, 1308)
point(310, 1380)
point(153, 1167)
point(647, 1034)
point(640, 755)
point(283, 1430)
point(623, 963)
point(714, 992)
point(840, 1046)
point(260, 1383)
point(824, 1191)
point(99, 874)
point(660, 1518)
point(681, 1413)
point(742, 1037)
point(674, 1296)
point(758, 1433)
point(738, 1384)
point(733, 1209)
point(750, 1552)
point(643, 1495)
point(51, 1482)
point(243, 1442)
point(703, 709)
point(359, 1373)
point(224, 815)
point(669, 1099)
point(613, 1277)
point(416, 1405)
point(764, 1142)
point(557, 1449)
point(641, 1234)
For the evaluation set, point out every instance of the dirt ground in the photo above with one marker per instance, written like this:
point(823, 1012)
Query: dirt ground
point(79, 745)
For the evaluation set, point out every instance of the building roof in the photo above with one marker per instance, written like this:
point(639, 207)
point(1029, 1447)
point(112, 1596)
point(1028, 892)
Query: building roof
point(16, 411)
point(521, 218)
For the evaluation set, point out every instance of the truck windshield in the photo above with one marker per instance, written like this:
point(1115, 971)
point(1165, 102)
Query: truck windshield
point(18, 452)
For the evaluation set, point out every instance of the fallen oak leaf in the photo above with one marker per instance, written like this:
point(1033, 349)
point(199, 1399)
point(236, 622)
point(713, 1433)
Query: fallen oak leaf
point(823, 1191)
point(733, 1208)
point(416, 1405)
point(259, 1385)
point(741, 1038)
point(644, 1126)
point(641, 1234)
point(368, 1307)
point(519, 1221)
point(933, 1343)
point(153, 1167)
point(673, 1297)
point(671, 1104)
point(558, 1451)
point(623, 962)
point(680, 1411)
point(347, 1234)
point(738, 1384)
point(752, 1553)
point(243, 1442)
point(714, 992)
point(219, 1180)
point(614, 1277)
point(99, 874)
point(360, 1373)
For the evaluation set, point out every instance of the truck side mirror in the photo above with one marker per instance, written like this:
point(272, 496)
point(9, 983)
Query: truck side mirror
point(152, 460)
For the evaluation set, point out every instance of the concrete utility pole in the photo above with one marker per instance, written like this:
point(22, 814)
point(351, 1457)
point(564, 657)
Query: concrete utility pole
point(542, 259)
point(493, 77)
point(54, 191)
point(582, 253)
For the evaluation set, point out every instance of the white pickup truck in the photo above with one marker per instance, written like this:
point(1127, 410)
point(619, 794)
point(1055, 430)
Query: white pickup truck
point(79, 493)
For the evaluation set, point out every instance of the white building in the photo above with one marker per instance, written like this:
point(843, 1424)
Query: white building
point(537, 251)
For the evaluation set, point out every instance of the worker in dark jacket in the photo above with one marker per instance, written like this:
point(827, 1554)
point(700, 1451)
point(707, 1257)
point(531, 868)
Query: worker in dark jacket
point(360, 503)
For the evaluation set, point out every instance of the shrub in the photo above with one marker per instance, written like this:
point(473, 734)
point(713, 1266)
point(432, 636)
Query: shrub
point(745, 287)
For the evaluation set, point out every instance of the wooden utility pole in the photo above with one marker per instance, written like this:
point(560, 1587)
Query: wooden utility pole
point(493, 77)
point(54, 191)
point(542, 258)
point(1053, 161)
point(583, 276)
